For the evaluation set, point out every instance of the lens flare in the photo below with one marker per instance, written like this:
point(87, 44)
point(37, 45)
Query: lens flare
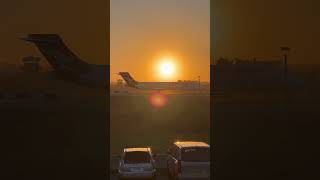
point(158, 100)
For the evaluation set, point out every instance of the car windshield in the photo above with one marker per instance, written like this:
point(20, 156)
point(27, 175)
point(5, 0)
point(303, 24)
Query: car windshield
point(195, 154)
point(136, 157)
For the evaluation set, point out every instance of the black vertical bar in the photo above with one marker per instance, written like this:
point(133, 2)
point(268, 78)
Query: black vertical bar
point(107, 140)
point(212, 86)
point(285, 67)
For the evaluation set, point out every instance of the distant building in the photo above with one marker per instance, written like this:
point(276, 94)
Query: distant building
point(31, 64)
point(247, 74)
point(254, 61)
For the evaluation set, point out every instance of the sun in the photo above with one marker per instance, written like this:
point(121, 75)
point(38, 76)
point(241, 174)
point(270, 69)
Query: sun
point(167, 67)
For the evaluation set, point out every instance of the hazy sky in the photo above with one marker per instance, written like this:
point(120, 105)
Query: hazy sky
point(142, 31)
point(143, 28)
point(82, 24)
point(258, 28)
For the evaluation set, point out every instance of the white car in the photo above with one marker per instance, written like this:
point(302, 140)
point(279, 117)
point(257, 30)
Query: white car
point(189, 160)
point(137, 163)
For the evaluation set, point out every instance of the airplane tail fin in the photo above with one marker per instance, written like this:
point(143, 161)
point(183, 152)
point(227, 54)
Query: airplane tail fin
point(129, 80)
point(57, 53)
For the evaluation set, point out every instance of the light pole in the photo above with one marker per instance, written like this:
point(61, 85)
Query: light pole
point(199, 87)
point(285, 50)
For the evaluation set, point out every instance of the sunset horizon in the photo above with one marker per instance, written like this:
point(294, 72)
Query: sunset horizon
point(162, 41)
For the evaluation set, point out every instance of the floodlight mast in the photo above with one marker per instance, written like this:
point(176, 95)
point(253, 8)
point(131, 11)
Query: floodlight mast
point(285, 50)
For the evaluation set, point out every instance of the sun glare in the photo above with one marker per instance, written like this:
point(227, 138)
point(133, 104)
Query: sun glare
point(167, 68)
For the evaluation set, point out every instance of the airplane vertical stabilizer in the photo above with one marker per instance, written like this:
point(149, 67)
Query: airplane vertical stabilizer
point(57, 53)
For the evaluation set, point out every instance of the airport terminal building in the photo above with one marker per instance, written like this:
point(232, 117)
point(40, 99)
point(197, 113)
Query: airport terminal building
point(247, 75)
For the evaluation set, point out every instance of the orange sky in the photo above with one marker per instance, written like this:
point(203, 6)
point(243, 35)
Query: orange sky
point(81, 24)
point(143, 31)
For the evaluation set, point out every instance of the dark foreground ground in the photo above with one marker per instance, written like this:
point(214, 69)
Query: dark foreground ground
point(61, 138)
point(256, 135)
point(265, 135)
point(135, 122)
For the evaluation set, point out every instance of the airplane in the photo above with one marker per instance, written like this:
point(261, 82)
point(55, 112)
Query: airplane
point(178, 85)
point(68, 66)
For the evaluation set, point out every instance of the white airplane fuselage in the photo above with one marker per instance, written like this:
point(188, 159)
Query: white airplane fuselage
point(168, 85)
point(179, 85)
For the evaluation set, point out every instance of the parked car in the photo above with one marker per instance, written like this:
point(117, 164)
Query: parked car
point(189, 160)
point(137, 163)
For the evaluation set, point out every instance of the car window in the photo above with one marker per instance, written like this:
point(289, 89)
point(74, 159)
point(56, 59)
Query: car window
point(136, 157)
point(195, 154)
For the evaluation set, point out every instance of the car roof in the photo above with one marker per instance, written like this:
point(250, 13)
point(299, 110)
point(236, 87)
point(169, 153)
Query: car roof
point(185, 144)
point(136, 149)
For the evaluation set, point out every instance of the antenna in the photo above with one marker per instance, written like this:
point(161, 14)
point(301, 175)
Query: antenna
point(199, 82)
